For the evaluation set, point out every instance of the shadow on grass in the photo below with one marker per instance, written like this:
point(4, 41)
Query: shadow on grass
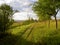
point(10, 39)
point(31, 29)
point(22, 33)
point(22, 41)
point(51, 40)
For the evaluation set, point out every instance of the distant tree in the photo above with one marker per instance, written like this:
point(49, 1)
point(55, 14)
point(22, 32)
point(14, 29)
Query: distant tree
point(16, 11)
point(5, 14)
point(48, 7)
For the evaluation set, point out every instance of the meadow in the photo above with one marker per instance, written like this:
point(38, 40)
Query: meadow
point(35, 33)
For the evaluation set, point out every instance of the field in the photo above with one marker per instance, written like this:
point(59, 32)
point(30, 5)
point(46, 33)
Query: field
point(36, 33)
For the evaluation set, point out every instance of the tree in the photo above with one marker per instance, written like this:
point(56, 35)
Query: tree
point(5, 12)
point(16, 11)
point(48, 7)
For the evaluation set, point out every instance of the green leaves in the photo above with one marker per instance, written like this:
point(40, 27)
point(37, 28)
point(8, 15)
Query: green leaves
point(46, 7)
point(5, 12)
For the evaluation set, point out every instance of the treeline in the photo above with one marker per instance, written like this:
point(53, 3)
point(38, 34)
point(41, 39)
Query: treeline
point(47, 8)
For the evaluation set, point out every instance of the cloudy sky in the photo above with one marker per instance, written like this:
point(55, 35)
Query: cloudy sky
point(23, 6)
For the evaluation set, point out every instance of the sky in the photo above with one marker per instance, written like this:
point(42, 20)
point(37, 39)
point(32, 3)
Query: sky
point(24, 7)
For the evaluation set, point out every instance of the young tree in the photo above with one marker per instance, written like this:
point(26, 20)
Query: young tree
point(5, 12)
point(47, 7)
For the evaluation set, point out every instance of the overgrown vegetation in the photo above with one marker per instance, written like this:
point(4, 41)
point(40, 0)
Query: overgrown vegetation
point(31, 32)
point(40, 34)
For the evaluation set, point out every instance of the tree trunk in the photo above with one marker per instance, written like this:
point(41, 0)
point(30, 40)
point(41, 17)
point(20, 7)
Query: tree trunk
point(56, 22)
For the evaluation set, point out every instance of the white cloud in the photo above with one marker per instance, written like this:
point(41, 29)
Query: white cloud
point(20, 16)
point(24, 16)
point(5, 1)
point(1, 2)
point(18, 4)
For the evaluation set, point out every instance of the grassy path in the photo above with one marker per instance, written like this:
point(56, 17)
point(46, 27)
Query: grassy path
point(26, 33)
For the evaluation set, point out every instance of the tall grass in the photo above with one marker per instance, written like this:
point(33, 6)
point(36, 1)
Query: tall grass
point(41, 34)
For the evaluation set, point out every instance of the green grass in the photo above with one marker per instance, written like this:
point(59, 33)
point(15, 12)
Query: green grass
point(37, 33)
